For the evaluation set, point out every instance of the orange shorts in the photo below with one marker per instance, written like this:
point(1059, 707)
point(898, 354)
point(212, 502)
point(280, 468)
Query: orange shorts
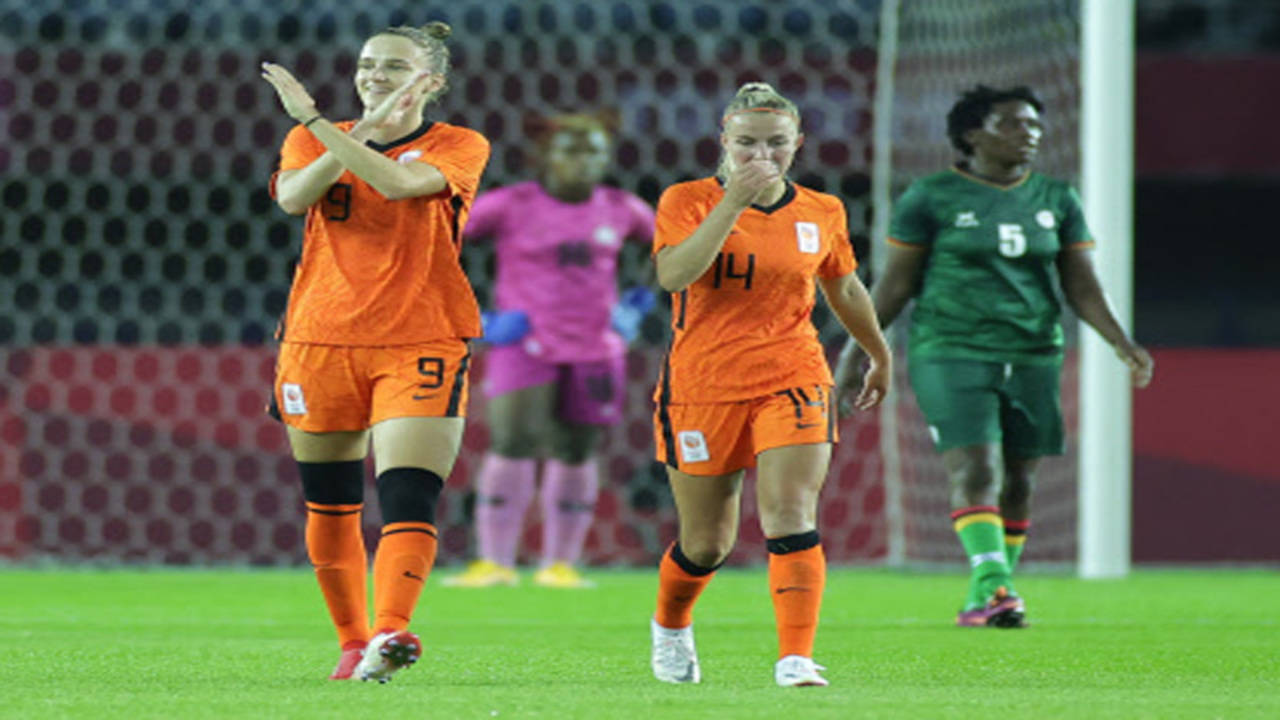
point(719, 438)
point(334, 388)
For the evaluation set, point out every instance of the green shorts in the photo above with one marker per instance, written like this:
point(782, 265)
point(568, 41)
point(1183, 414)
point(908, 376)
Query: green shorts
point(974, 402)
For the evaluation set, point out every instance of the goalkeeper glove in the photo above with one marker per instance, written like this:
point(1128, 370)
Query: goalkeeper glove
point(503, 327)
point(633, 304)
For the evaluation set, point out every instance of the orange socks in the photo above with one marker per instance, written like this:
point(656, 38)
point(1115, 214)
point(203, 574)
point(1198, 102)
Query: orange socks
point(680, 582)
point(404, 558)
point(336, 548)
point(797, 577)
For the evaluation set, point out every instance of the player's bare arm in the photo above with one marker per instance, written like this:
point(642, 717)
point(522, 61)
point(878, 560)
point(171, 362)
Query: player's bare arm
point(680, 265)
point(347, 150)
point(889, 296)
point(1084, 293)
point(851, 304)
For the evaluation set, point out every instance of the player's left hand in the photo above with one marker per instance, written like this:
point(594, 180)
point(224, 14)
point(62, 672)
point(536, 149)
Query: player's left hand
point(849, 378)
point(875, 386)
point(293, 96)
point(1141, 366)
point(392, 109)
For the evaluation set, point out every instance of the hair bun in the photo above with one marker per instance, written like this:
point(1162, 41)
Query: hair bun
point(438, 30)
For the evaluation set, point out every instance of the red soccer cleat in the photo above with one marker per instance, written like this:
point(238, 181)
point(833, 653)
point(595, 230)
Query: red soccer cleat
point(387, 652)
point(347, 663)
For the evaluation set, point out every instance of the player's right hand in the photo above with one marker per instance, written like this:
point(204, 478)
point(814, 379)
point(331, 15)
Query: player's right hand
point(749, 179)
point(504, 327)
point(633, 304)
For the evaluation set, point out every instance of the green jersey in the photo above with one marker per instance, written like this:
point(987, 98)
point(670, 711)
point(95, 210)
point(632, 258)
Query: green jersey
point(989, 286)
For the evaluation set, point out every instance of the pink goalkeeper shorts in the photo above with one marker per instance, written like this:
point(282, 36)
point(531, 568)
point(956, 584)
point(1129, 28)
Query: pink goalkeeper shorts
point(589, 392)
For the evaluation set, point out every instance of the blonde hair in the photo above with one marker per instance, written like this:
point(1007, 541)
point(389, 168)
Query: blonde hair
point(754, 97)
point(430, 39)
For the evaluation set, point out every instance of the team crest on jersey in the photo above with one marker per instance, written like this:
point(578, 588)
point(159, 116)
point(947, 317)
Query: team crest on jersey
point(1046, 219)
point(605, 235)
point(967, 219)
point(406, 158)
point(807, 237)
point(294, 402)
point(693, 446)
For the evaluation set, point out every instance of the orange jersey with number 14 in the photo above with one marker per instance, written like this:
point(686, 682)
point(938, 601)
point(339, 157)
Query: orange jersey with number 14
point(743, 330)
point(380, 272)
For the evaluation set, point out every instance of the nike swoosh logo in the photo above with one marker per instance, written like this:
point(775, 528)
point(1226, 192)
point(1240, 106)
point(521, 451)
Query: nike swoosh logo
point(789, 588)
point(411, 576)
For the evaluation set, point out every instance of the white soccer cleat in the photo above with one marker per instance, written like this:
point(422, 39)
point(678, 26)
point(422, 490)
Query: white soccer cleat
point(674, 658)
point(798, 671)
point(386, 653)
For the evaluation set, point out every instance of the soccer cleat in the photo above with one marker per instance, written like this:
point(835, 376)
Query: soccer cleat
point(482, 574)
point(674, 658)
point(1005, 610)
point(798, 671)
point(977, 617)
point(386, 653)
point(561, 575)
point(347, 663)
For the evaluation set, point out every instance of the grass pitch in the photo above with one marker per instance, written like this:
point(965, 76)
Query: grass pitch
point(257, 644)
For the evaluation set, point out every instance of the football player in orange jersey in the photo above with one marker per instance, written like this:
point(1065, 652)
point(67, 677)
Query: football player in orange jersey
point(746, 382)
point(374, 345)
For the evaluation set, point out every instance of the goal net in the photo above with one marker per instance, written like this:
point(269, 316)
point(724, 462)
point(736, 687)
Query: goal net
point(144, 263)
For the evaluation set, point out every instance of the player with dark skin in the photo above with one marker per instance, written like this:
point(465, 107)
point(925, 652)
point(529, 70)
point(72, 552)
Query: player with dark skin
point(523, 422)
point(555, 368)
point(1000, 147)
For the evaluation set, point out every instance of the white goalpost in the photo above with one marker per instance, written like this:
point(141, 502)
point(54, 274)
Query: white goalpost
point(1106, 413)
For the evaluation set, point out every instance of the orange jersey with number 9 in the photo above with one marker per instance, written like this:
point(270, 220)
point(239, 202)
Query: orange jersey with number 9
point(743, 330)
point(386, 272)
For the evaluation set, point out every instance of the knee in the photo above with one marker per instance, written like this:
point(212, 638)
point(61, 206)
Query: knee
point(977, 483)
point(332, 483)
point(408, 494)
point(1016, 489)
point(707, 550)
point(788, 520)
point(975, 479)
point(789, 513)
point(514, 443)
point(574, 446)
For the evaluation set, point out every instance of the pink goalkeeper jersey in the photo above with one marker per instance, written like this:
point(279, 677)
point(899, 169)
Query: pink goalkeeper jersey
point(558, 262)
